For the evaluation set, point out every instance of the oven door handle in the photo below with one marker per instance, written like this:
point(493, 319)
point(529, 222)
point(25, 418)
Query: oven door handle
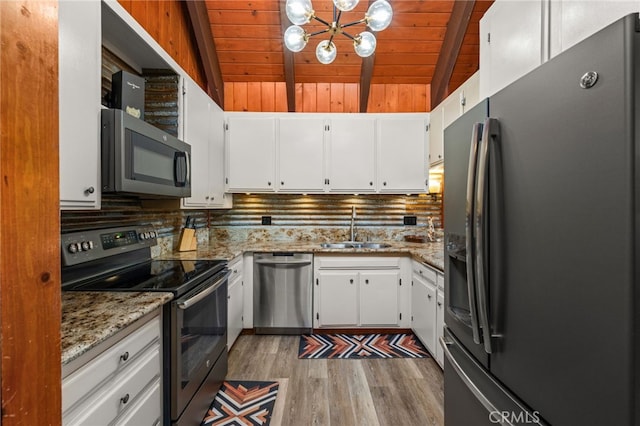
point(204, 293)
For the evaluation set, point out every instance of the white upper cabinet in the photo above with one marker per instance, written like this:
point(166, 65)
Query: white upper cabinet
point(573, 21)
point(251, 153)
point(301, 154)
point(204, 131)
point(79, 102)
point(403, 147)
point(352, 154)
point(436, 136)
point(512, 42)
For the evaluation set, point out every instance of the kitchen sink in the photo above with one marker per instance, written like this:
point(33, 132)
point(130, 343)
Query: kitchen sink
point(355, 245)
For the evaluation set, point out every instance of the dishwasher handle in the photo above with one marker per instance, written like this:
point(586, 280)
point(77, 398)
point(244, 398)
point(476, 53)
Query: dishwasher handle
point(283, 263)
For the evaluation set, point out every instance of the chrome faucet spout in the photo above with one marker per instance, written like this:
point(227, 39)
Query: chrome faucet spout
point(353, 224)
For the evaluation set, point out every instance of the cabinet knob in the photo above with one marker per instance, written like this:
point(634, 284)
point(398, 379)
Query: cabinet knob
point(124, 356)
point(213, 197)
point(89, 190)
point(281, 182)
point(439, 303)
point(384, 183)
point(370, 183)
point(206, 198)
point(366, 281)
point(429, 296)
point(125, 399)
point(269, 183)
point(351, 281)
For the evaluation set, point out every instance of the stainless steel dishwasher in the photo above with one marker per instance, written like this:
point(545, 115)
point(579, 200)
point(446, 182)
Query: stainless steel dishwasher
point(282, 293)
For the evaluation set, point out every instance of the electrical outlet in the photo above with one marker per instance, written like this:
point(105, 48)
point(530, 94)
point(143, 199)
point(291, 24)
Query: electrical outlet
point(410, 220)
point(266, 220)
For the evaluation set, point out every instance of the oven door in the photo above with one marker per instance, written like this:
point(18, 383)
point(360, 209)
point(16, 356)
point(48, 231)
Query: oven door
point(198, 337)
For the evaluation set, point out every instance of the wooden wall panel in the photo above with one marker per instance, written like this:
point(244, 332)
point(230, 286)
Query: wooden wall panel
point(325, 97)
point(30, 302)
point(167, 21)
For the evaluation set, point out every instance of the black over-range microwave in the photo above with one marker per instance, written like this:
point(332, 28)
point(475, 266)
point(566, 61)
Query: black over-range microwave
point(138, 158)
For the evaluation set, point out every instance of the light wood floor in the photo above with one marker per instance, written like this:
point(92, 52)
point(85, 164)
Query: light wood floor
point(340, 392)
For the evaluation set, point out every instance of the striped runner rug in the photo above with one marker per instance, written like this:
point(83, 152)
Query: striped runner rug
point(242, 403)
point(360, 346)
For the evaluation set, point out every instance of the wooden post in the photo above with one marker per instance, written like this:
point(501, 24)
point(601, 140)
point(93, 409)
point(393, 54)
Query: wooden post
point(29, 213)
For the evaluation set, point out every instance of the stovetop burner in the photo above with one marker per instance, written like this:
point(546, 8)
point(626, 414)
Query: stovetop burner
point(154, 275)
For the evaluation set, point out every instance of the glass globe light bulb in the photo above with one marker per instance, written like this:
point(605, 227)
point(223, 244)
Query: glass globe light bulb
point(326, 52)
point(295, 38)
point(379, 15)
point(365, 44)
point(299, 12)
point(345, 5)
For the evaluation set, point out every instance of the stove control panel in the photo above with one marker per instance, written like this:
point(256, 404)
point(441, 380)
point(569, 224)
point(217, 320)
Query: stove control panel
point(84, 246)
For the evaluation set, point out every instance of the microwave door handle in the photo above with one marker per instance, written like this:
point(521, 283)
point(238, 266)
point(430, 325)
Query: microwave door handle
point(178, 177)
point(187, 157)
point(489, 131)
point(469, 234)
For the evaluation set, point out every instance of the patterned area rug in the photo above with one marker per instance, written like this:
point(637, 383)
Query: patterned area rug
point(242, 403)
point(350, 346)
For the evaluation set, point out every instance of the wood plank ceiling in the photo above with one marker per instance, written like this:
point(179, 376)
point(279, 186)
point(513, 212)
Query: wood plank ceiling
point(431, 42)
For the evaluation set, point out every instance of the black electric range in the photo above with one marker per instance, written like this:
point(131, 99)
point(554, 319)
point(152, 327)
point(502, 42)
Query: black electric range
point(119, 259)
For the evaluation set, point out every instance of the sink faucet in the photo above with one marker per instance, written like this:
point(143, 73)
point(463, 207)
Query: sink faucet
point(353, 224)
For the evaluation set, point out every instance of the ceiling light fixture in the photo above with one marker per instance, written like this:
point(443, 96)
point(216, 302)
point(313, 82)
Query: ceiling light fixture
point(300, 12)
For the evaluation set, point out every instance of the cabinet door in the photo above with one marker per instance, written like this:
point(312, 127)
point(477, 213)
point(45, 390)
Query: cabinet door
point(251, 147)
point(352, 155)
point(301, 154)
point(436, 136)
point(197, 133)
point(573, 21)
point(217, 196)
point(379, 298)
point(423, 310)
point(234, 310)
point(403, 154)
point(439, 326)
point(509, 48)
point(337, 298)
point(80, 66)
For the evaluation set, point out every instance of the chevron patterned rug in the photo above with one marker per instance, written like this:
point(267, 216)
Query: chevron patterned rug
point(364, 346)
point(242, 403)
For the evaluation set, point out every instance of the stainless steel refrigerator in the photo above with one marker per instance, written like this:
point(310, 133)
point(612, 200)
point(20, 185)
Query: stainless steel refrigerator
point(542, 243)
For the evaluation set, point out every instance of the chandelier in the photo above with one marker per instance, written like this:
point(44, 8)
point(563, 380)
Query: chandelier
point(300, 12)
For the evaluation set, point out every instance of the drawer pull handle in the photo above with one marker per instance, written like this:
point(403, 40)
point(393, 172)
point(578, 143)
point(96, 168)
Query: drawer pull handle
point(124, 356)
point(125, 399)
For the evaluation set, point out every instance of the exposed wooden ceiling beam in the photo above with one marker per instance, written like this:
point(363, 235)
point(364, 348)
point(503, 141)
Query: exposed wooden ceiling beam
point(366, 71)
point(289, 65)
point(206, 45)
point(456, 29)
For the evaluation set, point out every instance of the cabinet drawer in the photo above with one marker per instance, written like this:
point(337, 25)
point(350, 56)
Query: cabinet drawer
point(122, 392)
point(81, 383)
point(147, 409)
point(235, 266)
point(425, 272)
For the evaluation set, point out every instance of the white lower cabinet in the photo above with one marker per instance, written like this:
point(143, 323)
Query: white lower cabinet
point(440, 321)
point(427, 308)
point(235, 304)
point(121, 384)
point(379, 297)
point(357, 291)
point(337, 298)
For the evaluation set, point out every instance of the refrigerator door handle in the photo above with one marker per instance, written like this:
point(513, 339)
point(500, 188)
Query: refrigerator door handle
point(490, 129)
point(469, 221)
point(482, 398)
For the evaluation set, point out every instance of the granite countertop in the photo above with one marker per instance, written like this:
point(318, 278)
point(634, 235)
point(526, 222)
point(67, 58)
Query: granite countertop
point(89, 318)
point(429, 253)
